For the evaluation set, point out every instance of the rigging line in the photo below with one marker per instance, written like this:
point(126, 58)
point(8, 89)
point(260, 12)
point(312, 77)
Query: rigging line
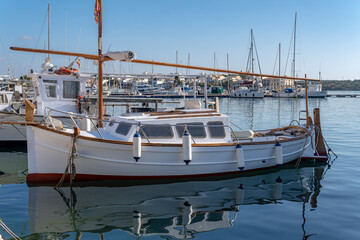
point(277, 53)
point(7, 57)
point(247, 63)
point(257, 56)
point(37, 43)
point(287, 59)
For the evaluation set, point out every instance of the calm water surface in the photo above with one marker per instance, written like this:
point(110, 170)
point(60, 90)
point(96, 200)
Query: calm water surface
point(312, 202)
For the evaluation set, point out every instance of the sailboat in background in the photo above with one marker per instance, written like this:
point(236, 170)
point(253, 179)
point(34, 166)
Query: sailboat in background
point(255, 91)
point(287, 87)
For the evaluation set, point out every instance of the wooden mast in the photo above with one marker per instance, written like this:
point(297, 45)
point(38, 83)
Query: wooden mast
point(96, 57)
point(100, 87)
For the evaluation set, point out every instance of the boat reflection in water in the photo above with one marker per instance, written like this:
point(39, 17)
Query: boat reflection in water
point(177, 210)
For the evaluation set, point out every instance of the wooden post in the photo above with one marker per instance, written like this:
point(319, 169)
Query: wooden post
point(319, 140)
point(76, 131)
point(29, 111)
point(306, 100)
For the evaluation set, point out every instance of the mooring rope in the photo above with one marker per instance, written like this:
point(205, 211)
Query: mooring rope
point(8, 230)
point(70, 167)
point(303, 148)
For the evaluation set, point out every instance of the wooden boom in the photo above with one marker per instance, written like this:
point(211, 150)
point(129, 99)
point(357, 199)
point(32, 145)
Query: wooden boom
point(105, 58)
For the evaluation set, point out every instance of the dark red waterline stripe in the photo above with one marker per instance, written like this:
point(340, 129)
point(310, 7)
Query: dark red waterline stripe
point(43, 178)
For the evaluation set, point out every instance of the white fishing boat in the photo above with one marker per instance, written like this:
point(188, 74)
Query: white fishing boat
point(185, 143)
point(52, 90)
point(60, 89)
point(171, 144)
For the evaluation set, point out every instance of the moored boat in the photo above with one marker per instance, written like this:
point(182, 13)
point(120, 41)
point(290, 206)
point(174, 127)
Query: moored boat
point(171, 144)
point(185, 143)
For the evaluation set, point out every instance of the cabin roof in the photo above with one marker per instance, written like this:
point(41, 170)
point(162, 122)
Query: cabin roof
point(175, 114)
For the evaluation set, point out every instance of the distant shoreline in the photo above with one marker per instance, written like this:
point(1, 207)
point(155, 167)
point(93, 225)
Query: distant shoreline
point(341, 85)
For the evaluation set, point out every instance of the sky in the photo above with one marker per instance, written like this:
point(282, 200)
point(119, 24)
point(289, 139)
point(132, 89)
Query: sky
point(327, 36)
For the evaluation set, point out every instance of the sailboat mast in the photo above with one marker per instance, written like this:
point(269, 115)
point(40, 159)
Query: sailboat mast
point(49, 29)
point(100, 89)
point(252, 52)
point(227, 67)
point(293, 74)
point(278, 82)
point(252, 56)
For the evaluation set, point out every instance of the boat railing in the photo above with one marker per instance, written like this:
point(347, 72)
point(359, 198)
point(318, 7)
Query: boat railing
point(93, 120)
point(47, 115)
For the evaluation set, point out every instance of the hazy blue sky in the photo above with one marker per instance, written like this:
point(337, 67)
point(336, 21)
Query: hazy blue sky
point(328, 36)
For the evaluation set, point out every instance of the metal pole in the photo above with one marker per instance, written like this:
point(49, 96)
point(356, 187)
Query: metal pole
point(100, 89)
point(227, 64)
point(306, 97)
point(194, 88)
point(205, 91)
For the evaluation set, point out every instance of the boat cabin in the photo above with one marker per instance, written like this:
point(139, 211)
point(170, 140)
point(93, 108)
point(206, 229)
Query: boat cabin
point(58, 91)
point(203, 125)
point(5, 99)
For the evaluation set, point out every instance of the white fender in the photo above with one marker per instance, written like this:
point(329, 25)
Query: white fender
point(278, 154)
point(240, 157)
point(239, 198)
point(137, 146)
point(137, 222)
point(186, 214)
point(86, 124)
point(278, 188)
point(186, 147)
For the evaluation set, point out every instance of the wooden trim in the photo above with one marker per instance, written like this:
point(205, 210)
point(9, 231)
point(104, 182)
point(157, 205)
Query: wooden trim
point(179, 112)
point(188, 116)
point(21, 123)
point(164, 144)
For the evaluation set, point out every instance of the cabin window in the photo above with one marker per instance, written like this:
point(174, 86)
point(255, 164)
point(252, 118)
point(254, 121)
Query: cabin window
point(71, 89)
point(197, 130)
point(50, 91)
point(216, 129)
point(123, 128)
point(50, 81)
point(3, 99)
point(157, 131)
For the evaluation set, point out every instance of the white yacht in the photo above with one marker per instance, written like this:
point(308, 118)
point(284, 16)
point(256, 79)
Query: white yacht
point(314, 91)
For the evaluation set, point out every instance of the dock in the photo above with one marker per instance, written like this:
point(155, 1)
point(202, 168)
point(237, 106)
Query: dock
point(343, 95)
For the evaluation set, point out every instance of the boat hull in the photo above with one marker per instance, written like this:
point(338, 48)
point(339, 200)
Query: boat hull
point(251, 94)
point(48, 154)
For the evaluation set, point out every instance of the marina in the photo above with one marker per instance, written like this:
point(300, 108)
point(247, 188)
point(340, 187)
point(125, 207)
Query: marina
point(94, 145)
point(230, 208)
